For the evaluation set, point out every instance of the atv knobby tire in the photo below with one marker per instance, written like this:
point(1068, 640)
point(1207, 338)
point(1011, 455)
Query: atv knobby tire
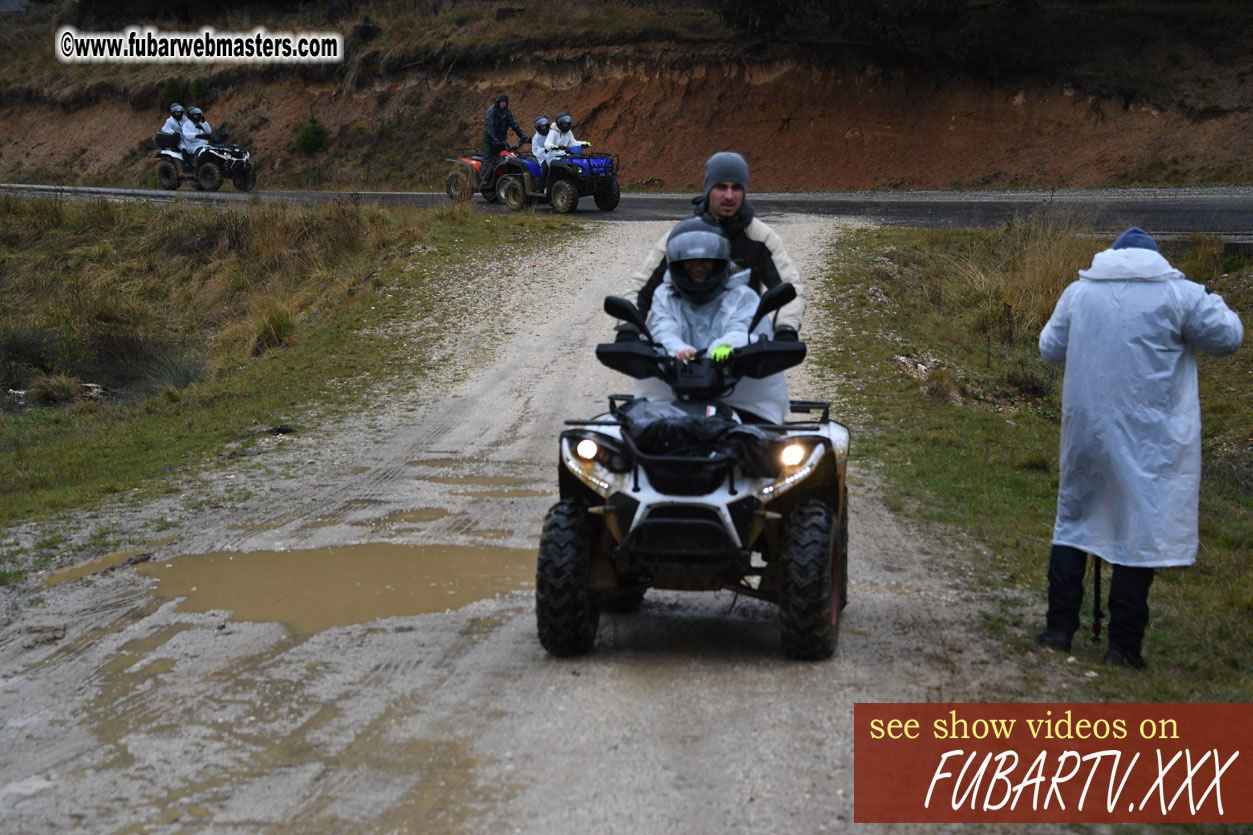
point(512, 192)
point(607, 197)
point(564, 612)
point(564, 196)
point(167, 176)
point(808, 598)
point(457, 186)
point(245, 181)
point(209, 176)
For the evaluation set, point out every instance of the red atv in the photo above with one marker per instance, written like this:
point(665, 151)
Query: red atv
point(467, 175)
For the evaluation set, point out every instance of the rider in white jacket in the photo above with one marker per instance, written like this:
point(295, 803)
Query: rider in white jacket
point(194, 125)
point(563, 136)
point(702, 306)
point(539, 142)
point(174, 124)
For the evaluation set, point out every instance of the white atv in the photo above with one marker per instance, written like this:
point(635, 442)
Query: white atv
point(697, 499)
point(207, 169)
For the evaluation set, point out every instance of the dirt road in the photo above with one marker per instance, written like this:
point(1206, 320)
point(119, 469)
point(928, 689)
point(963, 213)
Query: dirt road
point(133, 700)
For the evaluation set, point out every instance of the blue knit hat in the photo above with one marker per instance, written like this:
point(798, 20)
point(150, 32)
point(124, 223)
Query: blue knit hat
point(1135, 238)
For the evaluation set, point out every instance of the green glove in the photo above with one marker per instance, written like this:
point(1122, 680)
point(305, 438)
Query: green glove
point(721, 353)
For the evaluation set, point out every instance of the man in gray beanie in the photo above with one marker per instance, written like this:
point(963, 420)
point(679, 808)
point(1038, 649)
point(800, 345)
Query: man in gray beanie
point(754, 246)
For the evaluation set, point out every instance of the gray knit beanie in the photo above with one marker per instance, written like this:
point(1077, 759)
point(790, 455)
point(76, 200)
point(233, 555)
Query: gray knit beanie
point(726, 167)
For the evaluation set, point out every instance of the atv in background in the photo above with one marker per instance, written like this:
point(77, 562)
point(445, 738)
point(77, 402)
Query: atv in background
point(570, 177)
point(216, 162)
point(467, 175)
point(690, 495)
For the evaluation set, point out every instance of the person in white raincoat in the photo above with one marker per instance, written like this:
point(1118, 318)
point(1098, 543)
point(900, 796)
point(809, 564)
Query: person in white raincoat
point(193, 126)
point(701, 305)
point(563, 135)
point(1127, 334)
point(174, 124)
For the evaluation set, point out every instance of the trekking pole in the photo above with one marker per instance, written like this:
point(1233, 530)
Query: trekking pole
point(1096, 599)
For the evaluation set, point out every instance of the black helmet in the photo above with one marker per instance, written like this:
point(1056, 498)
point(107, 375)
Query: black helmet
point(176, 110)
point(698, 238)
point(541, 124)
point(196, 114)
point(564, 122)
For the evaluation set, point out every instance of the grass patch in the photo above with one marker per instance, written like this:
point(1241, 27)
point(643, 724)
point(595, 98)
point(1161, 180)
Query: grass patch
point(936, 348)
point(257, 315)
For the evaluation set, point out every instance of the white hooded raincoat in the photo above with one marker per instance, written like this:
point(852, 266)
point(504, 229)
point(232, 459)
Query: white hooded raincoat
point(1127, 334)
point(677, 324)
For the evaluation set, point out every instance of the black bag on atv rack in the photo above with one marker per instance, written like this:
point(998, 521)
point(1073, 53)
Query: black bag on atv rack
point(168, 141)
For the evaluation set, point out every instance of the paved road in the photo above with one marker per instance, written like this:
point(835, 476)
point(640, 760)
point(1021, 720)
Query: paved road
point(1226, 211)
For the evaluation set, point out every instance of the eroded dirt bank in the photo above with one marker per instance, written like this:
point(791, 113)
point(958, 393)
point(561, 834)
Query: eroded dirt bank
point(803, 124)
point(127, 710)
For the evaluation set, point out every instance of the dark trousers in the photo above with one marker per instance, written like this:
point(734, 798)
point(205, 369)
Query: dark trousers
point(490, 150)
point(1128, 598)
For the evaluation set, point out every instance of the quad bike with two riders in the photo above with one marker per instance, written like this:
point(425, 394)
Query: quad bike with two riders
point(207, 169)
point(698, 498)
point(522, 182)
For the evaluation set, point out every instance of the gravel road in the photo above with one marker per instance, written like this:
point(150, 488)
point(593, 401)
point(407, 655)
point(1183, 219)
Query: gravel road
point(137, 700)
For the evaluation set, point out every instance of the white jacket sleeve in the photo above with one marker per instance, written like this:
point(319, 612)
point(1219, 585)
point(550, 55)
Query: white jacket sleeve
point(666, 322)
point(792, 313)
point(742, 307)
point(1210, 325)
point(655, 259)
point(1056, 333)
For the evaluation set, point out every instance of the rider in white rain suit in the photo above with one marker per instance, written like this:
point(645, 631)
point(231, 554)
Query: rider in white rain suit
point(690, 315)
point(1127, 334)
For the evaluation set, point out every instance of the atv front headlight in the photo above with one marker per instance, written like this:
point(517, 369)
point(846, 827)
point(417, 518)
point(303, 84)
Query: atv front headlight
point(806, 460)
point(792, 455)
point(599, 465)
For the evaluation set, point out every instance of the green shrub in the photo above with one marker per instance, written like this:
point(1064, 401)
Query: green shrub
point(200, 90)
point(311, 137)
point(171, 91)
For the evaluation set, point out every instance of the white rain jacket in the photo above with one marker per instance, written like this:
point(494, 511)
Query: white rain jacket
point(190, 129)
point(677, 324)
point(539, 145)
point(558, 139)
point(173, 125)
point(1127, 334)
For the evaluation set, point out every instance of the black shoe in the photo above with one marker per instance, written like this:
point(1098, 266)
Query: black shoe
point(1053, 639)
point(1119, 657)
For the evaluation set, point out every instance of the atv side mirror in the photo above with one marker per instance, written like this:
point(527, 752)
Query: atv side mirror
point(620, 308)
point(773, 299)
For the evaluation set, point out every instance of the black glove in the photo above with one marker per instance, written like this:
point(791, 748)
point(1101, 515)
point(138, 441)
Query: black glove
point(785, 334)
point(626, 335)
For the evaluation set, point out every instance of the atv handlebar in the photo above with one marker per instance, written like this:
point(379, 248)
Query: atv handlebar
point(701, 378)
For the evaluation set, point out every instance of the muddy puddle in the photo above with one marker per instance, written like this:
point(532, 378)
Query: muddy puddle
point(318, 589)
point(479, 480)
point(412, 517)
point(504, 494)
point(91, 567)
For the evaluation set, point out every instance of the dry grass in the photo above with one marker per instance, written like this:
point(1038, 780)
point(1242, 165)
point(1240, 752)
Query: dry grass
point(136, 301)
point(1008, 284)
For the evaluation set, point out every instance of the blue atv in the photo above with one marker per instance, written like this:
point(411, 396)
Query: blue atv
point(570, 177)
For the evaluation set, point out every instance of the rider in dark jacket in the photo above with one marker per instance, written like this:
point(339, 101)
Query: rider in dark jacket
point(754, 246)
point(496, 133)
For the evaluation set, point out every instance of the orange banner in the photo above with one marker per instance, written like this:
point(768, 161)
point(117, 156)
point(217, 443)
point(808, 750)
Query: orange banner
point(979, 762)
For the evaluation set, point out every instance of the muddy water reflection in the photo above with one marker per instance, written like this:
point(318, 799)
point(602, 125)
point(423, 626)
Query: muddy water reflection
point(314, 590)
